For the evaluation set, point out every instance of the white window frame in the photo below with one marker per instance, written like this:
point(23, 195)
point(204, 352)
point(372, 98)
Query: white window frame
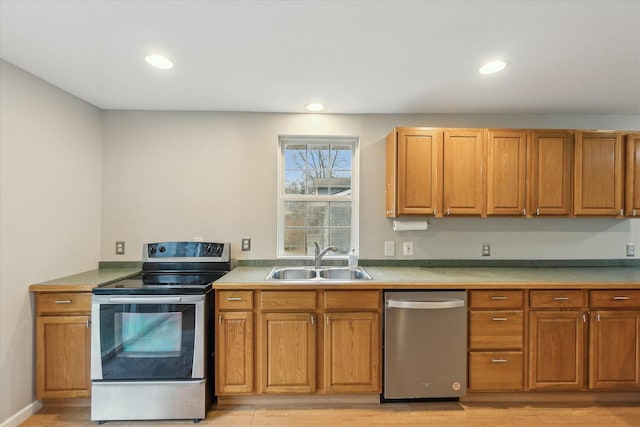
point(354, 198)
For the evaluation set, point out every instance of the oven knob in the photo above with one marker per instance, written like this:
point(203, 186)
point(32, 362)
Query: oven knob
point(162, 249)
point(152, 251)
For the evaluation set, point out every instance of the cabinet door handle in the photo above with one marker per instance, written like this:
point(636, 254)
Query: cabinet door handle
point(448, 211)
point(620, 298)
point(88, 323)
point(633, 212)
point(524, 211)
point(598, 317)
point(435, 212)
point(584, 317)
point(234, 299)
point(499, 319)
point(220, 319)
point(498, 298)
point(538, 211)
point(494, 360)
point(560, 298)
point(63, 301)
point(313, 320)
point(621, 212)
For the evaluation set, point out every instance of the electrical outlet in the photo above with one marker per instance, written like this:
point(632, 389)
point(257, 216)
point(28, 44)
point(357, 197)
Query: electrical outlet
point(631, 249)
point(389, 248)
point(407, 248)
point(486, 249)
point(119, 248)
point(246, 244)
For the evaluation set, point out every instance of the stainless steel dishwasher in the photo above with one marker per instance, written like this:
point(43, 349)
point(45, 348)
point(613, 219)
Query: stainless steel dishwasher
point(425, 345)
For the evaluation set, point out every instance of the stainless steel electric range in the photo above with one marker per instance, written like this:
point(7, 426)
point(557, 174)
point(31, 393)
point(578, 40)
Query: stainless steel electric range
point(152, 335)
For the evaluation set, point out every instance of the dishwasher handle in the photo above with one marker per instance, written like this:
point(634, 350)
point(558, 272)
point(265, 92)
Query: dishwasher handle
point(426, 305)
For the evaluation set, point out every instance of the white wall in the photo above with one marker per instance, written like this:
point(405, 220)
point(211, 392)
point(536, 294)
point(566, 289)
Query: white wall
point(50, 154)
point(178, 175)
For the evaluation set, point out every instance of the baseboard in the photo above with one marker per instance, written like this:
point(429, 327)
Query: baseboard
point(22, 415)
point(552, 396)
point(324, 399)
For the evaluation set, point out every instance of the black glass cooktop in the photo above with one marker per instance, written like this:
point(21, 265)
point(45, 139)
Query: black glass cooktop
point(161, 284)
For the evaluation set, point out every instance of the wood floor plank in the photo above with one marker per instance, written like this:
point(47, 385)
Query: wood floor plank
point(432, 414)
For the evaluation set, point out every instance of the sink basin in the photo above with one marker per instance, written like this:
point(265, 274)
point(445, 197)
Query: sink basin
point(344, 274)
point(292, 273)
point(302, 274)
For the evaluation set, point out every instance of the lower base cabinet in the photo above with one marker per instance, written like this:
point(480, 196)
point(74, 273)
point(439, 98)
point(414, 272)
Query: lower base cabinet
point(305, 342)
point(614, 353)
point(63, 345)
point(351, 352)
point(496, 371)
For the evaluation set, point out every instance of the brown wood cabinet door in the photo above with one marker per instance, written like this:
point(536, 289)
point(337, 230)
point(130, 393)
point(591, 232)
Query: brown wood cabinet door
point(352, 352)
point(632, 204)
point(418, 153)
point(288, 353)
point(63, 353)
point(463, 162)
point(234, 353)
point(550, 159)
point(557, 350)
point(506, 172)
point(614, 350)
point(598, 174)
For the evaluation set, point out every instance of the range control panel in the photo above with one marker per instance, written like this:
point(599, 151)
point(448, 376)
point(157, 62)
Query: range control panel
point(186, 251)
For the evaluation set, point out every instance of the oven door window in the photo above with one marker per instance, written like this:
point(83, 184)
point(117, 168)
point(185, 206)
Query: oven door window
point(147, 341)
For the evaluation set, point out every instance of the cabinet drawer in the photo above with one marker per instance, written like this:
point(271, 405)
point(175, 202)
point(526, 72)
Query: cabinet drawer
point(352, 300)
point(496, 329)
point(288, 300)
point(496, 370)
point(495, 299)
point(615, 299)
point(63, 303)
point(235, 300)
point(557, 299)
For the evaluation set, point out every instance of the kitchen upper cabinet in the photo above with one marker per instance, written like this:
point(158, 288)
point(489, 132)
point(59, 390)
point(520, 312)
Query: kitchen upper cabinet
point(550, 160)
point(632, 199)
point(598, 176)
point(413, 167)
point(63, 345)
point(462, 188)
point(506, 172)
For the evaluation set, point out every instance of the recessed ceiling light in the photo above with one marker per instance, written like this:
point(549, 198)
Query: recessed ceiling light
point(159, 61)
point(314, 106)
point(492, 67)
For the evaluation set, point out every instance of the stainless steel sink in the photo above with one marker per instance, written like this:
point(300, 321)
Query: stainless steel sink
point(344, 274)
point(325, 274)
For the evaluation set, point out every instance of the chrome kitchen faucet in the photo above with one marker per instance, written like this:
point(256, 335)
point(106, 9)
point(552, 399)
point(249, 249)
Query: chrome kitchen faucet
point(321, 253)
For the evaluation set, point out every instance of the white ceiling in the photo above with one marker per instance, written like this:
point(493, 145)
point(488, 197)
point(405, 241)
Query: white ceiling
point(565, 57)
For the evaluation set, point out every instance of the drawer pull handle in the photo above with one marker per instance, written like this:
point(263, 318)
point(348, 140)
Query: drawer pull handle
point(499, 319)
point(620, 298)
point(63, 301)
point(493, 360)
point(560, 298)
point(234, 299)
point(498, 298)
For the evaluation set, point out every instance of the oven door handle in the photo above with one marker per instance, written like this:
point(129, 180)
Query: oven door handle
point(145, 300)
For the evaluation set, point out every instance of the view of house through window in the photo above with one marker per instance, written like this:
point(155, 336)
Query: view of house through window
point(317, 195)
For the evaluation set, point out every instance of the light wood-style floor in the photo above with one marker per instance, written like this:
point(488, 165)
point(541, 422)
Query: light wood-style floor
point(474, 414)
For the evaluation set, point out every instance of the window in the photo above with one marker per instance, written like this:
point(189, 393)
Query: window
point(317, 195)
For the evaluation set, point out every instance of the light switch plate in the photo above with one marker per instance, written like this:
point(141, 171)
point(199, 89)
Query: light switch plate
point(389, 249)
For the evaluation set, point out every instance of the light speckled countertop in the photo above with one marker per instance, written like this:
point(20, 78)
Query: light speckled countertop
point(83, 282)
point(452, 277)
